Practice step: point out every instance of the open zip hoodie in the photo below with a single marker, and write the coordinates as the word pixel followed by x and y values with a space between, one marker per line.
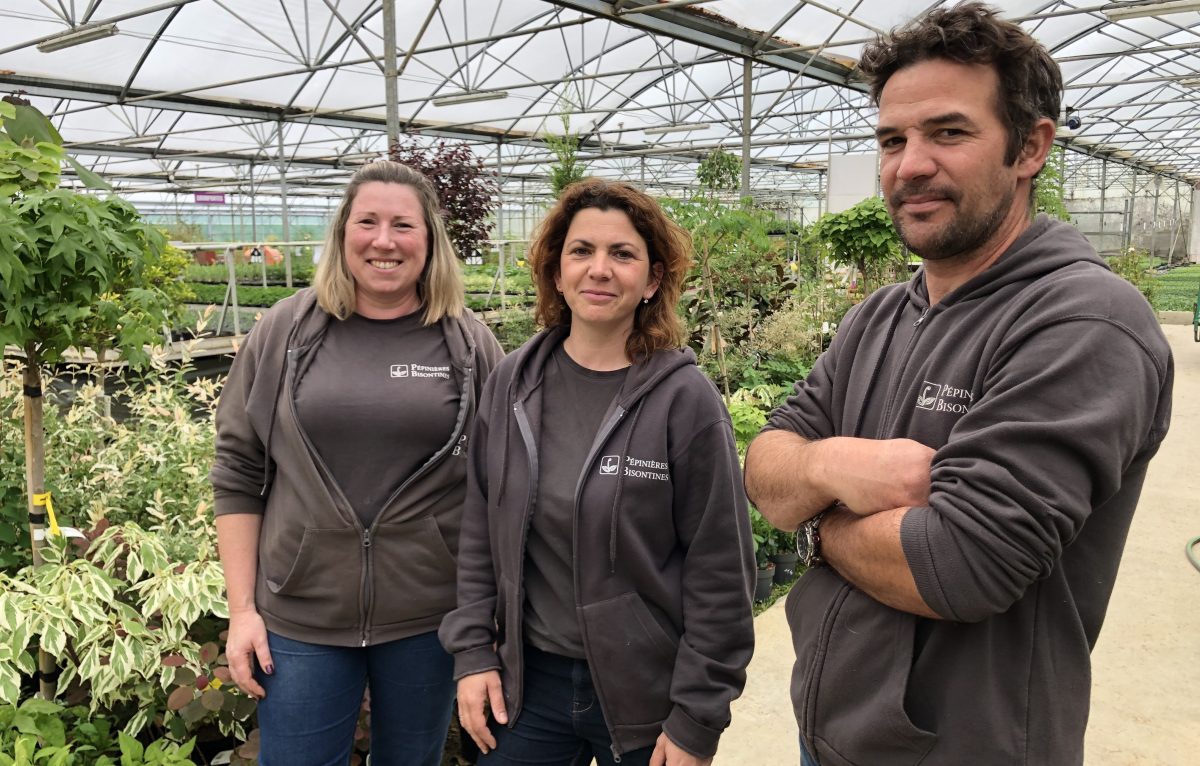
pixel 322 577
pixel 1044 385
pixel 662 549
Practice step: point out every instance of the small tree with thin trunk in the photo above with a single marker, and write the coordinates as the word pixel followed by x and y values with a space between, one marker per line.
pixel 863 236
pixel 72 269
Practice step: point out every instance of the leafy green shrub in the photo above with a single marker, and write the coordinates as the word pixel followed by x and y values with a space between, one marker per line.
pixel 740 275
pixel 110 616
pixel 251 273
pixel 43 732
pixel 566 168
pixel 1175 289
pixel 513 328
pixel 863 236
pixel 151 468
pixel 1134 266
pixel 246 294
pixel 720 171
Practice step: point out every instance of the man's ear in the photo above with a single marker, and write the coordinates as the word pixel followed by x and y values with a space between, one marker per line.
pixel 1037 147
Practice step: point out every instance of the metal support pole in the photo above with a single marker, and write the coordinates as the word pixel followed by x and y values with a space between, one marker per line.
pixel 1103 199
pixel 746 105
pixel 389 74
pixel 499 191
pixel 1154 219
pixel 283 209
pixel 232 272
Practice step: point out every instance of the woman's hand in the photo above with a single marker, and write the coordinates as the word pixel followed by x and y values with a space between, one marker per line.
pixel 667 753
pixel 476 694
pixel 248 639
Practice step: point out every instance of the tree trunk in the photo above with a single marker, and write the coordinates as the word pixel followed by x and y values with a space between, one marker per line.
pixel 35 483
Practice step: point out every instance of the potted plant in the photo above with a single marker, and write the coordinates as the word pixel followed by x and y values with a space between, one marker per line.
pixel 764 547
pixel 784 557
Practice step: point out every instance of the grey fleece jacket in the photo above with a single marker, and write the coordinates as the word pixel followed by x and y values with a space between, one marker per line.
pixel 662 549
pixel 322 577
pixel 1044 385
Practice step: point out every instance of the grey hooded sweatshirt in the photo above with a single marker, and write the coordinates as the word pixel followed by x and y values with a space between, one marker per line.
pixel 662 549
pixel 1044 385
pixel 322 577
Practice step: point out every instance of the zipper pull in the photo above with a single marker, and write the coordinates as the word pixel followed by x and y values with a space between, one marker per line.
pixel 921 318
pixel 366 538
pixel 615 752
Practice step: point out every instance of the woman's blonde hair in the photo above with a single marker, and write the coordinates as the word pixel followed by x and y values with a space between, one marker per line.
pixel 655 324
pixel 440 287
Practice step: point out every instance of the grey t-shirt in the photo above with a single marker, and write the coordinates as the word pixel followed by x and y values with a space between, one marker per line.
pixel 574 400
pixel 378 400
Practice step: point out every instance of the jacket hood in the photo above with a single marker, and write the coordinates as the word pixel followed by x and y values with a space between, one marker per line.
pixel 1046 246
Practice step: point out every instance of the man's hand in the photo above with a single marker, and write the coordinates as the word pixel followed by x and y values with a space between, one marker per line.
pixel 476 694
pixel 247 640
pixel 667 753
pixel 872 475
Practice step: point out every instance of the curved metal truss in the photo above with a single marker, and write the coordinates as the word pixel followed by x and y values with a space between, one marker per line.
pixel 226 95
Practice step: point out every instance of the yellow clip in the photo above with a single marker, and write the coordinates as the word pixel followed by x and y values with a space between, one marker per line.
pixel 44 499
pixel 215 683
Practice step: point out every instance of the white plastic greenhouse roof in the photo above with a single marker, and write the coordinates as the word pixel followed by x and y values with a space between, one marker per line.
pixel 208 94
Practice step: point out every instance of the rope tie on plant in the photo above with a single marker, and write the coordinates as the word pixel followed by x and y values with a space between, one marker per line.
pixel 33 392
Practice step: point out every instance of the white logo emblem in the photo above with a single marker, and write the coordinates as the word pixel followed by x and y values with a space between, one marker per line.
pixel 609 465
pixel 399 370
pixel 943 397
pixel 928 396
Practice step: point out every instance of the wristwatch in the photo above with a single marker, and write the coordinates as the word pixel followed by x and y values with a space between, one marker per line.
pixel 808 541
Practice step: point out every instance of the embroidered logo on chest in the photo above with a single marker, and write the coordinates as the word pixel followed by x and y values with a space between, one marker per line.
pixel 940 397
pixel 420 371
pixel 635 468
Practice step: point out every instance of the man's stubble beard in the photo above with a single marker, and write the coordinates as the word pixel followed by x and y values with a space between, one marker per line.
pixel 963 235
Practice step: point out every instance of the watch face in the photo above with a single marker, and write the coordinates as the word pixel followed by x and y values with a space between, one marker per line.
pixel 804 544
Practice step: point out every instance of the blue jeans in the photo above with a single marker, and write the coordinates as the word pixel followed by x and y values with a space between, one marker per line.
pixel 560 723
pixel 805 758
pixel 315 694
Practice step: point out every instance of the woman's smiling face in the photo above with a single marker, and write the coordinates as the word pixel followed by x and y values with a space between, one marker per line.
pixel 386 247
pixel 604 270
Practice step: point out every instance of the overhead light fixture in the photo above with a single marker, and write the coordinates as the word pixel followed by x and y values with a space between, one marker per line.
pixel 676 128
pixel 77 36
pixel 133 140
pixel 468 97
pixel 1191 82
pixel 1142 10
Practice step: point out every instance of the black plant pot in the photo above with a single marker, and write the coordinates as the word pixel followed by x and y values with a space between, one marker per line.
pixel 762 587
pixel 785 567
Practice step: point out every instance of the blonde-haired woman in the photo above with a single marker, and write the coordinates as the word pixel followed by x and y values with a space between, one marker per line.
pixel 339 480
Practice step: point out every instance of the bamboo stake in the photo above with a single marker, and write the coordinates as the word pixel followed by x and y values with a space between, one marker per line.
pixel 35 482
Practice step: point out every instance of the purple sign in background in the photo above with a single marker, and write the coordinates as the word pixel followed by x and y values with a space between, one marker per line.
pixel 208 198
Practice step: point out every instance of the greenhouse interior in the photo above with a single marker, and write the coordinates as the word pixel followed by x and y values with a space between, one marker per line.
pixel 225 134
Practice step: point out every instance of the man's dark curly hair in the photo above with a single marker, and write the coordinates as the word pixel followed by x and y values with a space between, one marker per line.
pixel 971 33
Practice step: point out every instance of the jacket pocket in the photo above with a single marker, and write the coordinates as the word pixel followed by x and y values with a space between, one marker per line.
pixel 413 572
pixel 634 659
pixel 321 586
pixel 860 672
